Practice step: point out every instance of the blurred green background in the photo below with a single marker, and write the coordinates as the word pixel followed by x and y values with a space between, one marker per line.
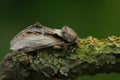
pixel 98 18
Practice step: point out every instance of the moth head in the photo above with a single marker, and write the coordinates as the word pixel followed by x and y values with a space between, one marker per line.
pixel 69 35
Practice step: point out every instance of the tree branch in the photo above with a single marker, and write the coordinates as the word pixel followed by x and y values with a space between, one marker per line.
pixel 88 57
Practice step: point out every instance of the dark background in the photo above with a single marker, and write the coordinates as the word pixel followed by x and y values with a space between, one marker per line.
pixel 97 18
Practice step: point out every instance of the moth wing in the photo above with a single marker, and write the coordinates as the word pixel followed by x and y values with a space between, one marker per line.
pixel 32 42
pixel 35 37
pixel 36 28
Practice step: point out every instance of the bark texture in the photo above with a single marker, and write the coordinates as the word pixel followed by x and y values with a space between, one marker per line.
pixel 88 57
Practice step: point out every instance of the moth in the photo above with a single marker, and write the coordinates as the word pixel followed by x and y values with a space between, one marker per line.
pixel 37 36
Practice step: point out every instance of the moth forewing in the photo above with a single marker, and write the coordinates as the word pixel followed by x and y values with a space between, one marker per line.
pixel 33 42
pixel 26 37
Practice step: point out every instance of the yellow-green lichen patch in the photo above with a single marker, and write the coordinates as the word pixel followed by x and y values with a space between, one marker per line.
pixel 103 51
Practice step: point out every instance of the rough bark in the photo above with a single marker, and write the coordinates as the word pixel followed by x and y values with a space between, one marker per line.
pixel 88 57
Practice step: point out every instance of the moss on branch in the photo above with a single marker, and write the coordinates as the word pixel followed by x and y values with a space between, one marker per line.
pixel 89 56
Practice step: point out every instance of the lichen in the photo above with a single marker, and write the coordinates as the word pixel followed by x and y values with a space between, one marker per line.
pixel 88 51
pixel 97 51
